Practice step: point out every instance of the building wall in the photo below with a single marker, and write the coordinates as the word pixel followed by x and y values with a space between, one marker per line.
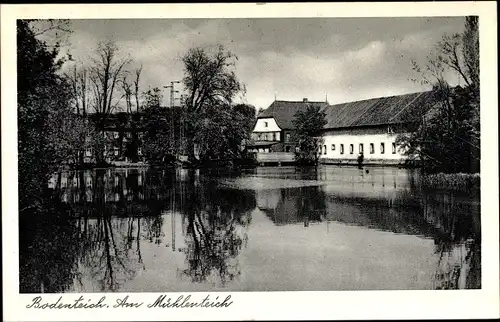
pixel 116 145
pixel 359 136
pixel 266 125
pixel 266 136
pixel 376 135
pixel 288 143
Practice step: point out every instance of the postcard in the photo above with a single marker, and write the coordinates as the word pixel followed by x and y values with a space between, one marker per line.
pixel 255 161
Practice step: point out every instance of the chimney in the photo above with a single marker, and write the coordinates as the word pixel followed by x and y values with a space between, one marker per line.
pixel 305 100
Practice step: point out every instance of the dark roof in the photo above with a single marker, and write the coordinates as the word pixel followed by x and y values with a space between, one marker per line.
pixel 284 111
pixel 376 111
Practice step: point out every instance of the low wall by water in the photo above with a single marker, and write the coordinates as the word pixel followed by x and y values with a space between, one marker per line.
pixel 275 157
pixel 382 162
pixel 278 158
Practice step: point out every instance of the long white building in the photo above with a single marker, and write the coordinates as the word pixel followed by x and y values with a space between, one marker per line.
pixel 369 127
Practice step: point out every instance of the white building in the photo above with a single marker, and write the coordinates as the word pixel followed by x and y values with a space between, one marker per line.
pixel 367 127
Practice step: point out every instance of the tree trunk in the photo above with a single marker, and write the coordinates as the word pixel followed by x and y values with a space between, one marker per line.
pixel 81 160
pixel 190 150
pixel 190 132
pixel 100 155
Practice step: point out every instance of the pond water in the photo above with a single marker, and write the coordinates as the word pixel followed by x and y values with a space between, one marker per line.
pixel 267 229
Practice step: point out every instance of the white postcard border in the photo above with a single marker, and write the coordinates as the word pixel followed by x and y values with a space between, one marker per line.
pixel 460 304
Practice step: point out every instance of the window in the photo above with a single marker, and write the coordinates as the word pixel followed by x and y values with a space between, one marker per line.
pixel 88 152
pixel 288 137
pixel 390 130
pixel 116 134
pixel 361 148
pixel 393 148
pixel 259 136
pixel 382 148
pixel 139 151
pixel 372 148
pixel 341 149
pixel 265 124
pixel 115 150
pixel 333 147
pixel 351 148
pixel 274 136
pixel 324 148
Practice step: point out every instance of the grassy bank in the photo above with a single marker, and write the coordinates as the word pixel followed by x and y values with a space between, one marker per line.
pixel 452 181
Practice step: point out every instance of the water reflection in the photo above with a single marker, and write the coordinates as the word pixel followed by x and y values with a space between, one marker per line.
pixel 286 206
pixel 114 228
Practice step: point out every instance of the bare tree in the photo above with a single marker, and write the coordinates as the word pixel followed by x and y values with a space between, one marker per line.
pixel 127 91
pixel 447 136
pixel 83 78
pixel 78 80
pixel 107 69
pixel 458 53
pixel 470 40
pixel 136 88
pixel 131 89
pixel 106 72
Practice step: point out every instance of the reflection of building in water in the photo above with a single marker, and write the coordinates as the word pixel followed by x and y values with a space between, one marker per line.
pixel 268 199
pixel 292 205
pixel 121 191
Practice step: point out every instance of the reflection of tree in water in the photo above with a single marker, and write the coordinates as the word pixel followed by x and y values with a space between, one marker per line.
pixel 213 217
pixel 454 221
pixel 459 249
pixel 311 205
pixel 458 246
pixel 111 246
pixel 47 252
pixel 293 205
pixel 94 235
pixel 459 265
pixel 77 239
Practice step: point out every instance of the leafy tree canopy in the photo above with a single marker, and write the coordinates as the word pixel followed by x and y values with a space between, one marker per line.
pixel 308 125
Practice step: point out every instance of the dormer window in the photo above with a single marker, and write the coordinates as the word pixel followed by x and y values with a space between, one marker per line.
pixel 265 124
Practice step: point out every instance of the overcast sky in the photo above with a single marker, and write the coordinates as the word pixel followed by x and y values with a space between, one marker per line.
pixel 345 58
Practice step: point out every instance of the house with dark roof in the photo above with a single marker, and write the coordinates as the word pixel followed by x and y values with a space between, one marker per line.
pixel 123 137
pixel 368 127
pixel 273 131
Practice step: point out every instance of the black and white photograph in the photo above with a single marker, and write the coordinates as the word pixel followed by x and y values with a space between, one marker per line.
pixel 249 154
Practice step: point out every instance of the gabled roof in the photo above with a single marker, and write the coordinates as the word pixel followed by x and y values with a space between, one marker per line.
pixel 378 111
pixel 370 112
pixel 284 111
